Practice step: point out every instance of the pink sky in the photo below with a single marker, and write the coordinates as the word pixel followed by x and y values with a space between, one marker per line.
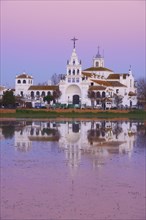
pixel 35 36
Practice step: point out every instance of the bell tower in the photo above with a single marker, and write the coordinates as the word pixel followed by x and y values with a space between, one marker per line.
pixel 98 60
pixel 74 66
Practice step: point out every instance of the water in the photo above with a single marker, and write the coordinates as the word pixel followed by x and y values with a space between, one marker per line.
pixel 89 170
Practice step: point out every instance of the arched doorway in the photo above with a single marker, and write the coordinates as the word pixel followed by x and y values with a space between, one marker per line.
pixel 76 99
pixel 73 94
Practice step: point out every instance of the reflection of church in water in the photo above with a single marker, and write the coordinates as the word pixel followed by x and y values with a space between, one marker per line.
pixel 95 140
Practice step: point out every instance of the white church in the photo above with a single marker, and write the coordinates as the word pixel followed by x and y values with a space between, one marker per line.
pixel 96 86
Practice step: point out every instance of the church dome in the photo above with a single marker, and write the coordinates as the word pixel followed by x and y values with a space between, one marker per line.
pixel 100 68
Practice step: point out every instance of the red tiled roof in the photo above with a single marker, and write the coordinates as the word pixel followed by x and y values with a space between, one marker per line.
pixel 97 88
pixel 114 76
pixel 24 76
pixel 98 69
pixel 132 93
pixel 109 83
pixel 88 74
pixel 117 75
pixel 116 84
pixel 101 82
pixel 43 87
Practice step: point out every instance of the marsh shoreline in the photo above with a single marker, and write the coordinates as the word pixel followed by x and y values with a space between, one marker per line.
pixel 61 114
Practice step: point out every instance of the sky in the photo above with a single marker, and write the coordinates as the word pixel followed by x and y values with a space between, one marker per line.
pixel 36 36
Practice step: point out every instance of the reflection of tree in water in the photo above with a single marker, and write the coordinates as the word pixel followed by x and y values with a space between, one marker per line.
pixel 95 135
pixel 97 132
pixel 8 131
pixel 117 129
pixel 141 135
pixel 141 128
pixel 9 127
pixel 50 131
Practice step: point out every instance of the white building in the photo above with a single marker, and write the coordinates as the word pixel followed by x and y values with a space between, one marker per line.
pixel 22 84
pixel 96 86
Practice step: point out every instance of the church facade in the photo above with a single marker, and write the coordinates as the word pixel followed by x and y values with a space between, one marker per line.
pixel 96 86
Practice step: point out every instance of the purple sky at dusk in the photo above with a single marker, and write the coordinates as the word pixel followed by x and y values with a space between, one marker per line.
pixel 35 36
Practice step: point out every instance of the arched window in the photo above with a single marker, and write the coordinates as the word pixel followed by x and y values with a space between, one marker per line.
pixel 73 72
pixel 103 94
pixel 32 131
pixel 78 71
pixel 97 64
pixel 32 94
pixel 98 94
pixel 37 93
pixel 24 81
pixel 43 93
pixel 49 93
pixel 73 62
pixel 103 133
pixel 37 132
pixel 19 81
pixel 69 71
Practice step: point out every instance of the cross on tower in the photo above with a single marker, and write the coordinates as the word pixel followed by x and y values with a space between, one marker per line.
pixel 74 40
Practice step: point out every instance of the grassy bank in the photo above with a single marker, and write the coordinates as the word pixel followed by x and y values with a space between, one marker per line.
pixel 70 113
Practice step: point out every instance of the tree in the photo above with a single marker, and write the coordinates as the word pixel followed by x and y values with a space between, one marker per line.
pixel 55 79
pixel 48 98
pixel 141 91
pixel 118 100
pixel 19 100
pixel 8 131
pixel 8 99
pixel 56 95
pixel 91 95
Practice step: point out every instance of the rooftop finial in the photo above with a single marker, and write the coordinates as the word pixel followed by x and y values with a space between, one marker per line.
pixel 98 53
pixel 130 68
pixel 74 40
pixel 98 49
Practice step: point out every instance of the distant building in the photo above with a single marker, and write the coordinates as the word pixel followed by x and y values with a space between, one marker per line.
pixel 96 86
